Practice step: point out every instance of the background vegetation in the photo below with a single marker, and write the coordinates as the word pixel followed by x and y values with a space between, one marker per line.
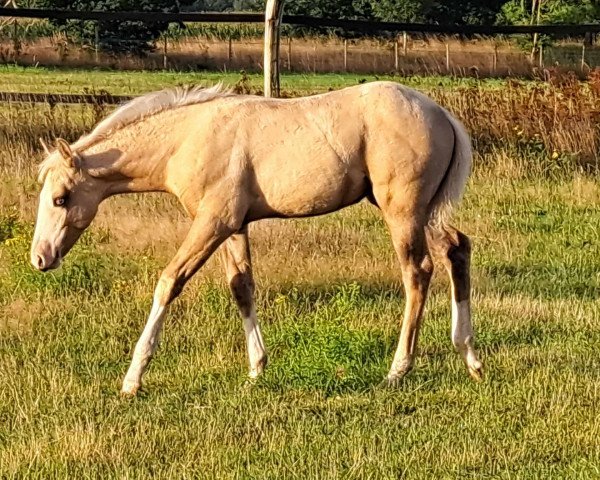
pixel 136 37
pixel 118 37
pixel 330 301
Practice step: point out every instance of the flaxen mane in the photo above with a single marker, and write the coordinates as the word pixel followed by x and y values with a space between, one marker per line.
pixel 134 111
pixel 148 105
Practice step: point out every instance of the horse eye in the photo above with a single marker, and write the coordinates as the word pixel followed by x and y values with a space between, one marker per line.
pixel 60 201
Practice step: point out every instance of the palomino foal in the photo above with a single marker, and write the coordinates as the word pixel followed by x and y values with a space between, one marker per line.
pixel 233 159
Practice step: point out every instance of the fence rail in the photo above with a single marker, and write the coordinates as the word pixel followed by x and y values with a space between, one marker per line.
pixel 54 98
pixel 361 26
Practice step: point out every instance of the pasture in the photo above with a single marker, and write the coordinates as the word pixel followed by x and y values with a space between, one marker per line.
pixel 329 298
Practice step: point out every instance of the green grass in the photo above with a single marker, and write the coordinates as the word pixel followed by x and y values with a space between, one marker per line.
pixel 318 412
pixel 329 300
pixel 51 80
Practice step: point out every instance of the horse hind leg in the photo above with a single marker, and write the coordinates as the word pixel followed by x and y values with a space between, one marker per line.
pixel 238 267
pixel 453 249
pixel 408 236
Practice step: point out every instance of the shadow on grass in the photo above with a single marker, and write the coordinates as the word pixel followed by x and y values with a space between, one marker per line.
pixel 330 355
pixel 342 287
pixel 331 359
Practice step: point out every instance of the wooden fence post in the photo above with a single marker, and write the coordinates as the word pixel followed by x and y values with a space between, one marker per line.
pixel 447 57
pixel 583 56
pixel 15 33
pixel 273 13
pixel 404 43
pixel 345 54
pixel 289 54
pixel 396 60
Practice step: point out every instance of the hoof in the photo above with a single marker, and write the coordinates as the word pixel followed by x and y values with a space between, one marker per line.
pixel 476 371
pixel 249 384
pixel 130 389
pixel 253 375
pixel 255 372
pixel 469 357
pixel 393 380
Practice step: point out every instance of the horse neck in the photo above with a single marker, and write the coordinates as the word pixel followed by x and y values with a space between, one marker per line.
pixel 131 160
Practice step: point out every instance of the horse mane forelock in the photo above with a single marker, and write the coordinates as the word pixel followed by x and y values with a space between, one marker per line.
pixel 60 167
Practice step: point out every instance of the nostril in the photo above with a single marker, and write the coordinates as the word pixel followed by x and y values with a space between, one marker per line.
pixel 40 262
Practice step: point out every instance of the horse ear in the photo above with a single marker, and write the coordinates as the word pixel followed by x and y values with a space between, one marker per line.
pixel 45 146
pixel 69 155
pixel 64 149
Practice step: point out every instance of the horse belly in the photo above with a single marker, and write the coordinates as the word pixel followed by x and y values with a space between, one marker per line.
pixel 313 190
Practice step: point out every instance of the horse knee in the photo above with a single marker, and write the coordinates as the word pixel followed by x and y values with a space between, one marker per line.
pixel 416 275
pixel 168 289
pixel 427 265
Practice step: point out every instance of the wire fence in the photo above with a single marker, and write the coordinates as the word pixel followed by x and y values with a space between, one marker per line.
pixel 362 26
pixel 363 47
pixel 404 55
pixel 55 98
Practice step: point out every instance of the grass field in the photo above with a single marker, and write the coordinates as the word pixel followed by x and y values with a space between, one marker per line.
pixel 51 80
pixel 330 300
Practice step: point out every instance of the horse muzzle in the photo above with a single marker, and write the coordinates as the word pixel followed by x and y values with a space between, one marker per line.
pixel 44 258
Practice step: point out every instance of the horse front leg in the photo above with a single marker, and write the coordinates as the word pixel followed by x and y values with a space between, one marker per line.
pixel 238 267
pixel 205 235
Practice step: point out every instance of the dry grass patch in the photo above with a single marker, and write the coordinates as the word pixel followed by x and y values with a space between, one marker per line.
pixel 19 315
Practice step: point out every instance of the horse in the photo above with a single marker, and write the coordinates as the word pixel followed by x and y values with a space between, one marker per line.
pixel 234 159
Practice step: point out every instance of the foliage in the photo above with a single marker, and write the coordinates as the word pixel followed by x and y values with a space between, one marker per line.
pixel 525 12
pixel 519 12
pixel 465 11
pixel 346 9
pixel 136 37
pixel 113 36
pixel 442 11
pixel 401 10
pixel 223 5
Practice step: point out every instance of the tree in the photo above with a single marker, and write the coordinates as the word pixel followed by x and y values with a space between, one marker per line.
pixel 537 12
pixel 520 12
pixel 401 10
pixel 460 12
pixel 344 9
pixel 113 36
